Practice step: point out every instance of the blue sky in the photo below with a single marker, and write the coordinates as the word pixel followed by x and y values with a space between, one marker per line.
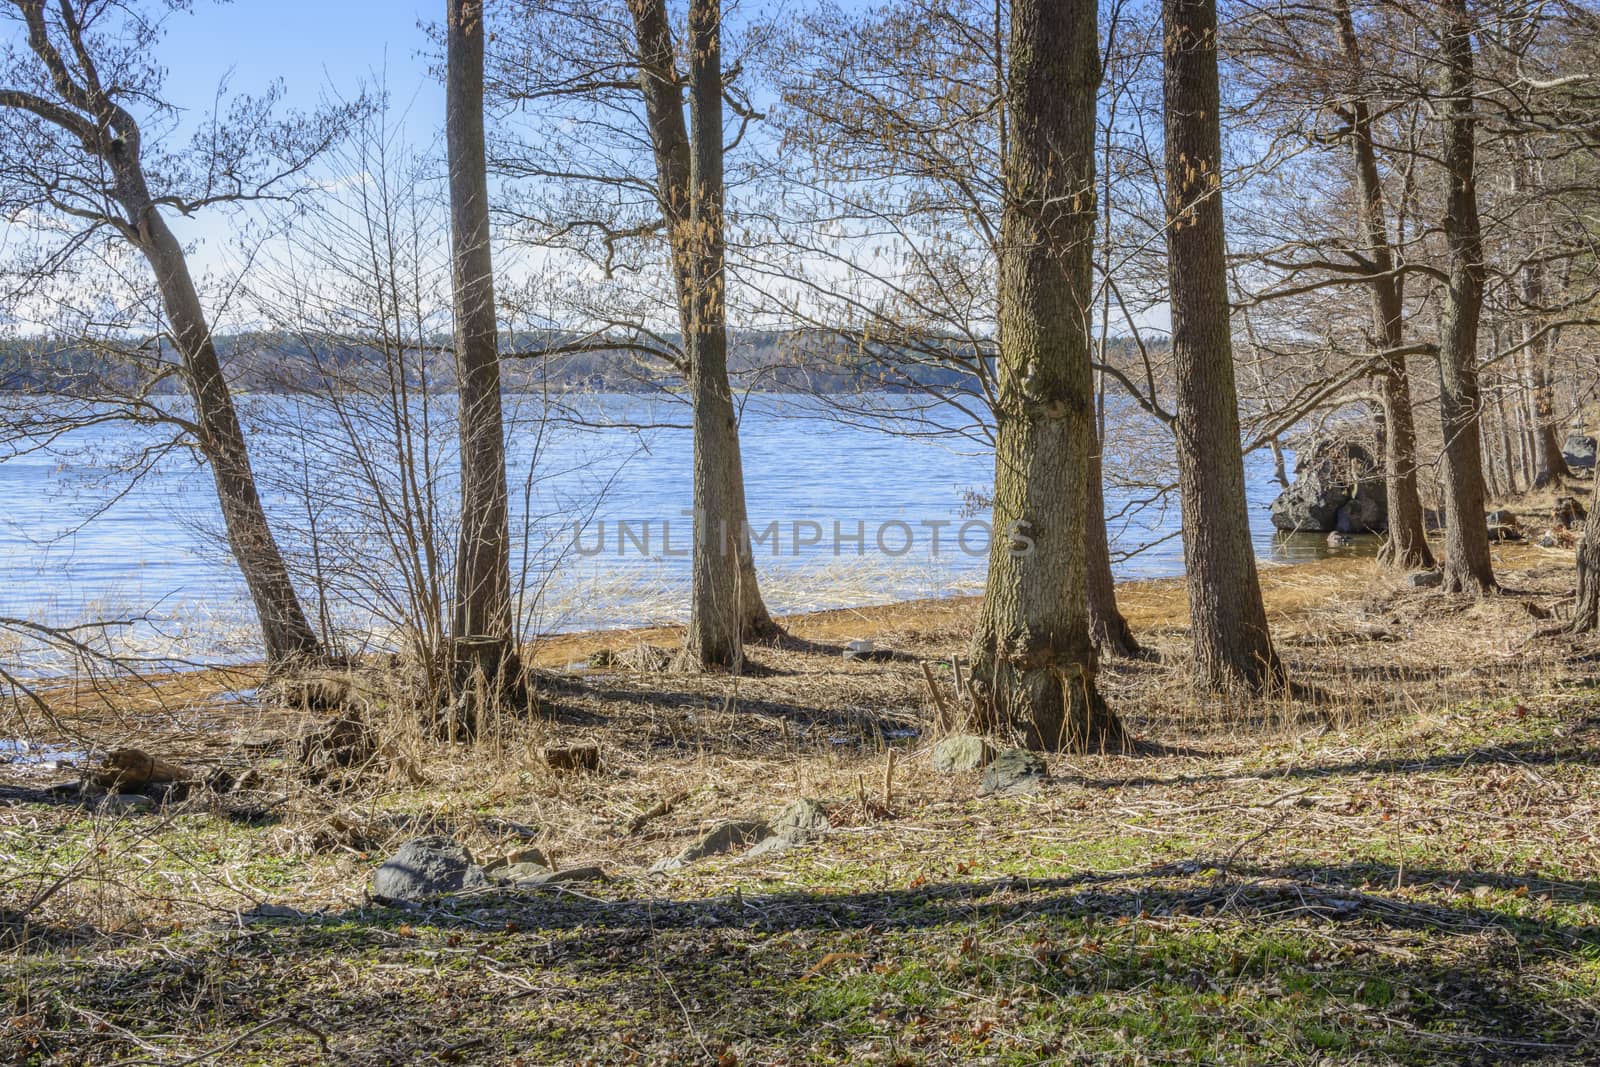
pixel 311 44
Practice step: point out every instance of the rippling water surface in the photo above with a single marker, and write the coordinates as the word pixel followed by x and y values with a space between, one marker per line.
pixel 856 510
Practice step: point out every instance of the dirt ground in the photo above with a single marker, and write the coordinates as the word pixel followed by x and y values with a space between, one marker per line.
pixel 1398 863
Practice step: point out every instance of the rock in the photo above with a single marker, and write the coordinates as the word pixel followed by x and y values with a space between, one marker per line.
pixel 961 752
pixel 769 845
pixel 1340 540
pixel 571 757
pixel 332 745
pixel 126 803
pixel 265 912
pixel 1330 478
pixel 800 822
pixel 1014 771
pixel 571 874
pixel 1568 512
pixel 1363 513
pixel 523 855
pixel 1579 450
pixel 1425 579
pixel 1549 540
pixel 519 872
pixel 1503 526
pixel 427 867
pixel 724 837
pixel 131 768
pixel 1311 504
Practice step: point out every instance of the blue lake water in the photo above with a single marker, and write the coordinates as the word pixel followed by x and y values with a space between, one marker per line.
pixel 855 512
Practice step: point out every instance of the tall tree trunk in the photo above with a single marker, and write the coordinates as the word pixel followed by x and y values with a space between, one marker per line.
pixel 1033 659
pixel 1228 620
pixel 1407 543
pixel 1586 617
pixel 691 191
pixel 1549 463
pixel 1110 631
pixel 285 630
pixel 1467 565
pixel 482 638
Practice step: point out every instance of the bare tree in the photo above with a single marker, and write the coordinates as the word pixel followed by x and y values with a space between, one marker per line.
pixel 1467 566
pixel 1407 545
pixel 632 172
pixel 74 150
pixel 483 637
pixel 1033 658
pixel 1228 621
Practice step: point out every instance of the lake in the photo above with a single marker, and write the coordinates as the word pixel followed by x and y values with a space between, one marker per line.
pixel 850 515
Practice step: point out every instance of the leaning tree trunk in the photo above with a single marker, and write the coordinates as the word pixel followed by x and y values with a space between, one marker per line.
pixel 1033 659
pixel 1111 633
pixel 722 537
pixel 482 630
pixel 1407 544
pixel 1228 620
pixel 1467 565
pixel 285 630
pixel 1586 618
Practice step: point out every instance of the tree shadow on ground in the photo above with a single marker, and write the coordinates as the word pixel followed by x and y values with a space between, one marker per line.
pixel 1543 753
pixel 1291 962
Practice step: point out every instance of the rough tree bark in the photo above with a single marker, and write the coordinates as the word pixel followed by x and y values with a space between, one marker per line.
pixel 1228 621
pixel 1033 659
pixel 1407 544
pixel 482 626
pixel 726 607
pixel 90 115
pixel 1467 565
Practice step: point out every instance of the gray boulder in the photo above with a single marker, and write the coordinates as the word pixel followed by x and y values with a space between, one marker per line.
pixel 522 856
pixel 427 867
pixel 524 875
pixel 1310 505
pixel 1579 450
pixel 1337 487
pixel 726 836
pixel 1503 526
pixel 1014 771
pixel 1425 579
pixel 961 752
pixel 1366 512
pixel 801 821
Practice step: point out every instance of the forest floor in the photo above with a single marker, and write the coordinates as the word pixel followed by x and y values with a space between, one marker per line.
pixel 1400 864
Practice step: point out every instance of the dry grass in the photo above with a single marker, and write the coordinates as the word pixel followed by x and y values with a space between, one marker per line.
pixel 1439 747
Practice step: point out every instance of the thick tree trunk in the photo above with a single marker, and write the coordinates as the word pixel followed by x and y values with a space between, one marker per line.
pixel 1228 620
pixel 1033 659
pixel 482 637
pixel 1407 544
pixel 285 631
pixel 1110 631
pixel 690 188
pixel 1586 617
pixel 1467 565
